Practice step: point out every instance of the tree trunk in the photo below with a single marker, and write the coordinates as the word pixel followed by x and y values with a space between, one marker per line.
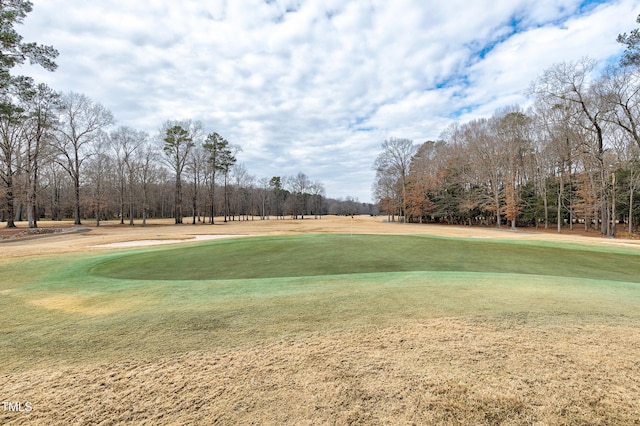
pixel 613 206
pixel 546 211
pixel 226 201
pixel 121 200
pixel 178 201
pixel 76 183
pixel 33 196
pixel 631 210
pixel 194 207
pixel 559 213
pixel 130 197
pixel 10 201
pixel 497 201
pixel 213 197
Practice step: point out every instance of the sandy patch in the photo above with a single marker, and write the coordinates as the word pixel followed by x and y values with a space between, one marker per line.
pixel 142 243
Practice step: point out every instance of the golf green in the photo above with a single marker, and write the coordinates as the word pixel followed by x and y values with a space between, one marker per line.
pixel 331 254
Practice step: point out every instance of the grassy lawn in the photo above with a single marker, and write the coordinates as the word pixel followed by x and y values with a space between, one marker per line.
pixel 158 301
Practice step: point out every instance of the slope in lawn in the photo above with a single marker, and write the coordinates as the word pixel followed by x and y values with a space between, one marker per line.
pixel 313 255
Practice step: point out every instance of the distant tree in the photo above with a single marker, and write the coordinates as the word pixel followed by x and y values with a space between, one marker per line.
pixel 54 181
pixel 12 121
pixel 81 123
pixel 263 195
pixel 221 157
pixel 196 166
pixel 514 128
pixel 177 145
pixel 317 198
pixel 394 163
pixel 147 157
pixel 570 86
pixel 243 182
pixel 618 87
pixel 487 158
pixel 98 171
pixel 545 164
pixel 124 143
pixel 41 105
pixel 423 175
pixel 631 179
pixel 278 194
pixel 385 191
pixel 299 184
pixel 226 165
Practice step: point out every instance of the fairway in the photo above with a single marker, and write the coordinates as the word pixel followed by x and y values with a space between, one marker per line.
pixel 323 327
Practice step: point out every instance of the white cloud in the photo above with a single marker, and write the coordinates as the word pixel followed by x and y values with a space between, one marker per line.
pixel 310 85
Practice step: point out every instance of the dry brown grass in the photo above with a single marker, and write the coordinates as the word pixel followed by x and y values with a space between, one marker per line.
pixel 444 371
pixel 517 369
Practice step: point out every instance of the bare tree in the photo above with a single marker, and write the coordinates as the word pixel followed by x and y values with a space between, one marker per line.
pixel 385 191
pixel 394 163
pixel 124 143
pixel 196 166
pixel 81 122
pixel 263 193
pixel 570 85
pixel 317 198
pixel 619 88
pixel 487 157
pixel 513 132
pixel 147 159
pixel 243 182
pixel 55 183
pixel 42 105
pixel 299 184
pixel 12 122
pixel 99 169
pixel 421 181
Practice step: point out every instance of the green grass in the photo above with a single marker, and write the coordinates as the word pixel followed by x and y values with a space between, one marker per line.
pixel 314 255
pixel 157 301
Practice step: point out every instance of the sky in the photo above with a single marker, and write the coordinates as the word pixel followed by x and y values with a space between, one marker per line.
pixel 316 86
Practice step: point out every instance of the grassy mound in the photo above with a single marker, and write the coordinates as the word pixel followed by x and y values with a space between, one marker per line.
pixel 159 301
pixel 317 255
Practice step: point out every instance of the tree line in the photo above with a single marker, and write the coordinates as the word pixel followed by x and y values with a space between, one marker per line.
pixel 571 159
pixel 61 157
